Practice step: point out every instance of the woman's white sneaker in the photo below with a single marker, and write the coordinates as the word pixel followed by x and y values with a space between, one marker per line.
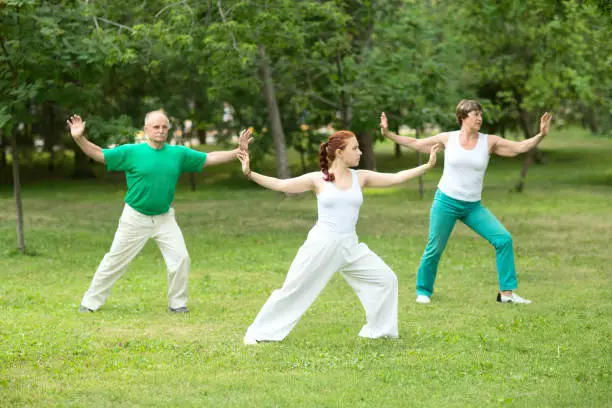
pixel 249 341
pixel 422 299
pixel 512 299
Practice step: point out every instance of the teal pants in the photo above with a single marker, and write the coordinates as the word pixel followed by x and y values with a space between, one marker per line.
pixel 445 211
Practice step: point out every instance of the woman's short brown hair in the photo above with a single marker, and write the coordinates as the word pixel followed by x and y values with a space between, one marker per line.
pixel 465 107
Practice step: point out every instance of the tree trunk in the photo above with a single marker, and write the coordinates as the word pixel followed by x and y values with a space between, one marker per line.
pixel 17 190
pixel 200 133
pixel 398 150
pixel 278 136
pixel 589 119
pixel 3 160
pixel 50 135
pixel 303 161
pixel 520 185
pixel 51 164
pixel 365 139
pixel 15 154
pixel 192 180
pixel 421 186
pixel 366 144
pixel 345 110
pixel 82 165
pixel 192 177
pixel 534 156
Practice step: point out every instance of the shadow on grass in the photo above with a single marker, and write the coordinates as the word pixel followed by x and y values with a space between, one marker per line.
pixel 13 253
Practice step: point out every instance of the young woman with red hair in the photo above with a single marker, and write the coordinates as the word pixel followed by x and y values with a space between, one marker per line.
pixel 332 244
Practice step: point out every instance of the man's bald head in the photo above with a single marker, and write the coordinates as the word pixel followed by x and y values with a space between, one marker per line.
pixel 154 115
pixel 156 128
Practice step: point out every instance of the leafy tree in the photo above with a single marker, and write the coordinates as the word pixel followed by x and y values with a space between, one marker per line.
pixel 408 73
pixel 536 56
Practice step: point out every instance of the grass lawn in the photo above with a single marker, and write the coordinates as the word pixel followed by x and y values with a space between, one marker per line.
pixel 462 350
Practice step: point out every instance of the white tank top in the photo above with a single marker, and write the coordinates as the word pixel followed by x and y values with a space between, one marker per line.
pixel 339 209
pixel 464 170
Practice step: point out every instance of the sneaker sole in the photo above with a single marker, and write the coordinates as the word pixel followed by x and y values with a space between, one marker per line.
pixel 499 299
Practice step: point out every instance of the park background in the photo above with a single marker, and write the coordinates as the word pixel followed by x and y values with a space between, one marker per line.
pixel 293 71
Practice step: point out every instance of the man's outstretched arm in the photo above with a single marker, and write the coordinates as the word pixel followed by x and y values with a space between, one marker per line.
pixel 77 129
pixel 214 158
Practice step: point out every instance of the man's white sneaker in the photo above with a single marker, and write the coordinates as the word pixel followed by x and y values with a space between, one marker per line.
pixel 422 299
pixel 512 299
pixel 249 341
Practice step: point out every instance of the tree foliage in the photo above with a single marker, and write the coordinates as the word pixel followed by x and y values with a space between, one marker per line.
pixel 337 62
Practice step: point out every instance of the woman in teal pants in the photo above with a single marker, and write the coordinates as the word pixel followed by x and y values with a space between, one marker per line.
pixel 466 156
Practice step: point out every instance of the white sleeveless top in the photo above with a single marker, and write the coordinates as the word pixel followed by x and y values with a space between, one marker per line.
pixel 464 170
pixel 339 209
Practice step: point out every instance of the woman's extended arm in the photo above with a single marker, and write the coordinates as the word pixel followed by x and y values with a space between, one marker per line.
pixel 509 148
pixel 421 145
pixel 375 179
pixel 294 185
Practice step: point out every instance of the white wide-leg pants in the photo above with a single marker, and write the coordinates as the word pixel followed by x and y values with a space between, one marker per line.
pixel 133 232
pixel 322 255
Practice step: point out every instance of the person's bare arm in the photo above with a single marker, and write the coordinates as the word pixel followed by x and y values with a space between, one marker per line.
pixel 510 148
pixel 214 158
pixel 296 185
pixel 375 179
pixel 220 157
pixel 77 129
pixel 422 145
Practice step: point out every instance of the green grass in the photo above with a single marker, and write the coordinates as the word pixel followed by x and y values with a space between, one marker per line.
pixel 462 350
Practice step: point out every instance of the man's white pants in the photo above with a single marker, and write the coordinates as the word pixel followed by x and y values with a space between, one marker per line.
pixel 320 257
pixel 133 232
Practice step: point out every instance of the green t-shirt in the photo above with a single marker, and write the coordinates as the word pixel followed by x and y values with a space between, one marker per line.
pixel 152 174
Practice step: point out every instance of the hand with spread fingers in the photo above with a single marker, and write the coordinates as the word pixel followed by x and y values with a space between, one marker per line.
pixel 245 160
pixel 384 124
pixel 77 126
pixel 432 155
pixel 245 140
pixel 545 123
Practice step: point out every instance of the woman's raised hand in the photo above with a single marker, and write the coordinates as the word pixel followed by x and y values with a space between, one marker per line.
pixel 545 123
pixel 384 124
pixel 243 156
pixel 432 154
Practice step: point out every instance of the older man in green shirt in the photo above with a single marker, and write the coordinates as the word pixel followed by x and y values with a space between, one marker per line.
pixel 152 170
